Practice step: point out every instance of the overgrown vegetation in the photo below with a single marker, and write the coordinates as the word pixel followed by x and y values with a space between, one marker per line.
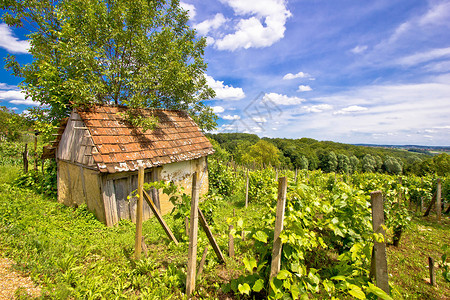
pixel 326 241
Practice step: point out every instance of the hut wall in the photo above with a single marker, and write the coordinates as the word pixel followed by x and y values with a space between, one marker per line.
pixel 76 143
pixel 118 197
pixel 181 174
pixel 78 185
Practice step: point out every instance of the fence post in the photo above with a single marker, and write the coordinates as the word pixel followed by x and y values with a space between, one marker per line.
pixel 231 242
pixel 202 262
pixel 438 200
pixel 25 159
pixel 193 232
pixel 186 223
pixel 281 204
pixel 432 273
pixel 246 191
pixel 140 200
pixel 379 262
pixel 35 151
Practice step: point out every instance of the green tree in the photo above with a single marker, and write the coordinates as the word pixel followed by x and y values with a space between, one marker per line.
pixel 354 164
pixel 261 153
pixel 343 163
pixel 368 163
pixel 392 166
pixel 12 124
pixel 442 164
pixel 328 161
pixel 139 53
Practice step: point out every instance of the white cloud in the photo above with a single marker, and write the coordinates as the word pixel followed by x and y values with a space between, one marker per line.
pixel 359 49
pixel 290 76
pixel 204 27
pixel 25 102
pixel 12 95
pixel 9 42
pixel 218 109
pixel 259 119
pixel 231 117
pixel 350 109
pixel 304 88
pixel 189 8
pixel 265 26
pixel 425 56
pixel 438 14
pixel 282 99
pixel 224 92
pixel 317 108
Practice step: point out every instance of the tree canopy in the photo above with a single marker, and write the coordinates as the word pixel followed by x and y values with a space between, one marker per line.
pixel 140 53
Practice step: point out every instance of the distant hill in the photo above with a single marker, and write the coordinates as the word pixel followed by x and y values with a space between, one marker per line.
pixel 411 148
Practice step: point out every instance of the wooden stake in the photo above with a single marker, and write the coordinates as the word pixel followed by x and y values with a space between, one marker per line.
pixel 430 206
pixel 277 246
pixel 379 249
pixel 438 200
pixel 193 232
pixel 25 159
pixel 210 237
pixel 246 191
pixel 231 243
pixel 432 273
pixel 35 152
pixel 138 244
pixel 160 218
pixel 186 222
pixel 202 263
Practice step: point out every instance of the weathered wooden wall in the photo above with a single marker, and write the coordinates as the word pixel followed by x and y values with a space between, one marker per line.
pixel 78 185
pixel 76 145
pixel 118 196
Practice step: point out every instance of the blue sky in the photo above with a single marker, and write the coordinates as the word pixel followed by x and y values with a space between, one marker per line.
pixel 348 71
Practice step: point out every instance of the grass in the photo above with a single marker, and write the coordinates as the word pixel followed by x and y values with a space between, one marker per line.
pixel 408 263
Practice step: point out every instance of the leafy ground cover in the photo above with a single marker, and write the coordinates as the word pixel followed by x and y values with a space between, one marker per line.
pixel 71 255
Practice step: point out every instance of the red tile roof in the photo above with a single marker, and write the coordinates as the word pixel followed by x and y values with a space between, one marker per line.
pixel 123 147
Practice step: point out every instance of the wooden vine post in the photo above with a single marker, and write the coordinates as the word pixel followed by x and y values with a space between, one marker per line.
pixel 140 203
pixel 25 159
pixel 438 200
pixel 193 232
pixel 432 271
pixel 379 262
pixel 246 191
pixel 277 246
pixel 35 151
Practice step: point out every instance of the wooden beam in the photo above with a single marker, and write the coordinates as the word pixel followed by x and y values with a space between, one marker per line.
pixel 438 200
pixel 192 254
pixel 210 236
pixel 277 246
pixel 246 191
pixel 379 249
pixel 160 218
pixel 140 203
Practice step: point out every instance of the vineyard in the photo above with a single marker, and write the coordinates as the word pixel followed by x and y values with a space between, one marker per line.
pixel 327 239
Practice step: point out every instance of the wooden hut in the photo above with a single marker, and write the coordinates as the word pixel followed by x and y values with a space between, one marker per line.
pixel 98 154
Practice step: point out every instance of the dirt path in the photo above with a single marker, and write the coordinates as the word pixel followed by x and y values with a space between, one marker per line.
pixel 11 280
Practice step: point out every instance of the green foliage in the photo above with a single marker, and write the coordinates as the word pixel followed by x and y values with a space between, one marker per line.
pixel 221 181
pixel 262 153
pixel 140 54
pixel 42 183
pixel 12 125
pixel 310 154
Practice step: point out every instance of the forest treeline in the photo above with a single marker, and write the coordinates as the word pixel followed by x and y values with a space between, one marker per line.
pixel 306 153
